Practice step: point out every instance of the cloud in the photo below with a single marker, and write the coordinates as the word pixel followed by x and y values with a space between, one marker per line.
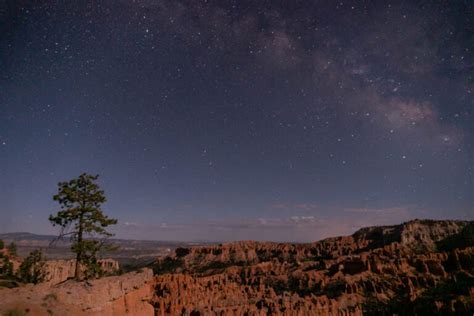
pixel 385 211
pixel 295 207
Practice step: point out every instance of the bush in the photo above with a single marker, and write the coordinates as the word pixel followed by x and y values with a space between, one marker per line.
pixel 12 250
pixel 6 267
pixel 167 265
pixel 181 252
pixel 14 312
pixel 2 244
pixel 9 284
pixel 50 297
pixel 217 251
pixel 32 269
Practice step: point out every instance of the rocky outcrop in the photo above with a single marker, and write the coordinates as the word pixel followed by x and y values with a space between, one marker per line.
pixel 418 235
pixel 58 271
pixel 378 270
pixel 416 268
pixel 128 294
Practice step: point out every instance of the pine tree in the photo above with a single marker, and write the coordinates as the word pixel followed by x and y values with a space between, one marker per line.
pixel 82 220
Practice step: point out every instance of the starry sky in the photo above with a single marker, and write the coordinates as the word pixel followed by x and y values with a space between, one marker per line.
pixel 228 120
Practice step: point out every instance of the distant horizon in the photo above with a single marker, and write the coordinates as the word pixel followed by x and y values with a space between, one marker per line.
pixel 118 237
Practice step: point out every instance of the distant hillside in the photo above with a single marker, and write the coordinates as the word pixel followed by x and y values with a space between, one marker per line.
pixel 130 252
pixel 28 237
pixel 25 236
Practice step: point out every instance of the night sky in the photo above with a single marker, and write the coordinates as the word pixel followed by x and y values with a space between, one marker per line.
pixel 229 120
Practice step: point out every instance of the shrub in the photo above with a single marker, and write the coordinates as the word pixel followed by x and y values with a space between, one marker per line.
pixel 12 250
pixel 6 267
pixel 167 265
pixel 9 284
pixel 181 252
pixel 32 269
pixel 217 251
pixel 14 312
pixel 50 297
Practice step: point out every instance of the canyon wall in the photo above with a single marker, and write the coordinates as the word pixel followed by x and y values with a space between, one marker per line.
pixel 58 271
pixel 416 268
pixel 420 267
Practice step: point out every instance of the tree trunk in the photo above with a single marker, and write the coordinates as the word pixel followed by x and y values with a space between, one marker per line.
pixel 77 273
pixel 78 270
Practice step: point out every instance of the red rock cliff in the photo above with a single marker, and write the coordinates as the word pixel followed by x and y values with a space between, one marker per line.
pixel 128 294
pixel 391 270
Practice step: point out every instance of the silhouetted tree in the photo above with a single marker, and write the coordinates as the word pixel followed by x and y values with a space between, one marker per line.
pixel 82 220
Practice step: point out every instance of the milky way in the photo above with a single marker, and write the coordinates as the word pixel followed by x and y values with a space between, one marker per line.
pixel 222 120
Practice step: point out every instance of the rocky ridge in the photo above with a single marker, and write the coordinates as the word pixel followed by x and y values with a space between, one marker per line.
pixel 127 294
pixel 415 268
pixel 57 271
pixel 378 270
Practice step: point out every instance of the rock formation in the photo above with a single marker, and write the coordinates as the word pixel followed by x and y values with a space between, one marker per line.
pixel 419 267
pixel 127 294
pixel 58 271
pixel 416 268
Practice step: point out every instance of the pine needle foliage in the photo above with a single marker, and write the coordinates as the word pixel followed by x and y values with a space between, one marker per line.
pixel 82 220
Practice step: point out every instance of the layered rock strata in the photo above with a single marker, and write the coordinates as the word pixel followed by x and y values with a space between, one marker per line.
pixel 58 271
pixel 420 267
